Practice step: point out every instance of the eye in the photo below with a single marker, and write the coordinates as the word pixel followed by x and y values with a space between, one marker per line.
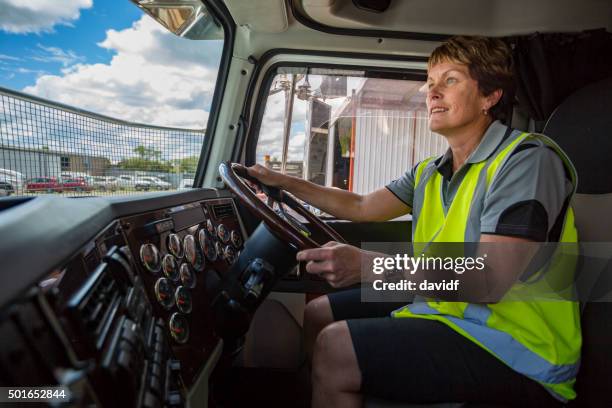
pixel 451 80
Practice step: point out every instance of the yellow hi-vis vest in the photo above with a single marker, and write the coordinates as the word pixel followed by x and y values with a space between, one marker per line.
pixel 540 339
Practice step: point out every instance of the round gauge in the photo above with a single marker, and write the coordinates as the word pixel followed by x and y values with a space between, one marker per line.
pixel 229 254
pixel 222 233
pixel 174 245
pixel 219 249
pixel 183 299
pixel 236 239
pixel 210 227
pixel 150 258
pixel 164 292
pixel 169 267
pixel 191 252
pixel 188 278
pixel 179 328
pixel 206 243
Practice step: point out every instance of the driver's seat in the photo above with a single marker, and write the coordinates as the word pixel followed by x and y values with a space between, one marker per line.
pixel 582 126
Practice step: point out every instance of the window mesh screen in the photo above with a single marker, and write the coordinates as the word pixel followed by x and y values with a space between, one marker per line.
pixel 52 148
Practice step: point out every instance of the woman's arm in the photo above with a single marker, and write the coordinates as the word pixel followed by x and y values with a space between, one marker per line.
pixel 505 259
pixel 379 205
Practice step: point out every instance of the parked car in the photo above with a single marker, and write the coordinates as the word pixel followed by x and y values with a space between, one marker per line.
pixel 185 184
pixel 157 183
pixel 125 182
pixel 76 184
pixel 44 184
pixel 105 183
pixel 6 189
pixel 11 182
pixel 142 184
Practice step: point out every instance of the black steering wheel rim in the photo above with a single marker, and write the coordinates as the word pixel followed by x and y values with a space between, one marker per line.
pixel 234 176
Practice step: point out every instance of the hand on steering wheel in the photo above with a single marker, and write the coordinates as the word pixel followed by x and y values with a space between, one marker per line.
pixel 281 223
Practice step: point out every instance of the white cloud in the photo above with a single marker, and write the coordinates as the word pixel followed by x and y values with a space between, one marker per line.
pixel 9 58
pixel 55 54
pixel 22 70
pixel 153 77
pixel 36 16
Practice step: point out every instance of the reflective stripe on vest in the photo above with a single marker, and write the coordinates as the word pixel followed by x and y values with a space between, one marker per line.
pixel 540 339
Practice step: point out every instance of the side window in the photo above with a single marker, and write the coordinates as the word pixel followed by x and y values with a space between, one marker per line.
pixel 105 89
pixel 347 131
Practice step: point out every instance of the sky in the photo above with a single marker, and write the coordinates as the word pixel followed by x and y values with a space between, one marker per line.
pixel 106 56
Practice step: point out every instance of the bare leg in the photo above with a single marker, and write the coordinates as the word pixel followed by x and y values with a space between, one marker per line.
pixel 336 378
pixel 317 315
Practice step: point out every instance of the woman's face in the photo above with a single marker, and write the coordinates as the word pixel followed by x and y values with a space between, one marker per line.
pixel 453 98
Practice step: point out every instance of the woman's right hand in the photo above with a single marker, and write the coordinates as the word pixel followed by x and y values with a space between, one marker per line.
pixel 266 176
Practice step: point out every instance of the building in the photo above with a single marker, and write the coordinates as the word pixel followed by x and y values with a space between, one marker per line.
pixel 48 163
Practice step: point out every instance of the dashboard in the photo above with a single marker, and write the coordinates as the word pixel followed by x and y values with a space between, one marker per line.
pixel 110 297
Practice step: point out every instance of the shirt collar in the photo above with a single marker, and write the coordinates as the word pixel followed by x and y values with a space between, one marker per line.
pixel 490 141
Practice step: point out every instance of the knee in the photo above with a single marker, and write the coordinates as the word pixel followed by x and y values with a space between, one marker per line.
pixel 329 347
pixel 334 360
pixel 317 313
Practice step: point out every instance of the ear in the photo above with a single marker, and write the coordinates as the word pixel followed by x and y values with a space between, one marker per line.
pixel 493 98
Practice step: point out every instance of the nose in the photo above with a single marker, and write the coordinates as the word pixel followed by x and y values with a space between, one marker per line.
pixel 433 93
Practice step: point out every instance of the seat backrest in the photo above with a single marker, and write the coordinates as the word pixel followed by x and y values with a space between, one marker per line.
pixel 582 126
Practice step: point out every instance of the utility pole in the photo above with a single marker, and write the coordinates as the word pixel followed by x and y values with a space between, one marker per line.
pixel 288 116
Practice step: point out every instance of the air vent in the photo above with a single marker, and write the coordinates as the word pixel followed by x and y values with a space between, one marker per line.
pixel 96 303
pixel 223 210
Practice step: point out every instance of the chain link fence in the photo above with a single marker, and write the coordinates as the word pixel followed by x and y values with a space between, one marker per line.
pixel 46 147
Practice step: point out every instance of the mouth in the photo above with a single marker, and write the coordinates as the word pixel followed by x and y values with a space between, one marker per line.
pixel 437 110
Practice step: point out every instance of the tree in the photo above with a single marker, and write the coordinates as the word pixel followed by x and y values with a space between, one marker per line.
pixel 149 159
pixel 187 164
pixel 148 153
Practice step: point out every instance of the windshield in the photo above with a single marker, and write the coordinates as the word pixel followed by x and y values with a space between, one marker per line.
pixel 101 96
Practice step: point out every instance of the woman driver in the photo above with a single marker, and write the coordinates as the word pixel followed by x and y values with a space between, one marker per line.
pixel 501 186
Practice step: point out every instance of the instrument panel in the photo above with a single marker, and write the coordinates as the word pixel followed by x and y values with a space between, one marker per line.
pixel 182 251
pixel 124 320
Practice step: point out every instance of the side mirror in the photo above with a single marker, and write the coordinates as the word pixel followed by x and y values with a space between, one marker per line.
pixel 185 18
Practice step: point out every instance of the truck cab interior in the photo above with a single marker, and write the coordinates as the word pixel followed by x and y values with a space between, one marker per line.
pixel 193 297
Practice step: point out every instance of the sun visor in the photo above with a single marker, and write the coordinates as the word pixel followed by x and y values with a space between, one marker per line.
pixel 437 19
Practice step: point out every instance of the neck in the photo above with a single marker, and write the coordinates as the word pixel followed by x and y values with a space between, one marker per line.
pixel 464 140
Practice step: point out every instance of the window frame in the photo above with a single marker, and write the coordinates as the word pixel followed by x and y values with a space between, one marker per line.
pixel 65 163
pixel 260 101
pixel 220 12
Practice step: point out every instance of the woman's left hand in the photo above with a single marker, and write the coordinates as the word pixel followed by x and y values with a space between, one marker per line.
pixel 339 264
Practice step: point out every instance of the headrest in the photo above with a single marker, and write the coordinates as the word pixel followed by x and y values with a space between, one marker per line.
pixel 582 126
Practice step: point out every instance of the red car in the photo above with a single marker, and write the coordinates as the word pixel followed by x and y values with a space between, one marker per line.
pixel 44 184
pixel 76 184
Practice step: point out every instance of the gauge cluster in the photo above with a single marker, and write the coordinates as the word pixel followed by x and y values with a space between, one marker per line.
pixel 181 249
pixel 94 330
pixel 118 312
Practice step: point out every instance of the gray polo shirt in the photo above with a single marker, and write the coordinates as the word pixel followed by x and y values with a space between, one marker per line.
pixel 528 197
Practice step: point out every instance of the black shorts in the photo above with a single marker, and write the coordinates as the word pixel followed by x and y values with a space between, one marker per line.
pixel 423 361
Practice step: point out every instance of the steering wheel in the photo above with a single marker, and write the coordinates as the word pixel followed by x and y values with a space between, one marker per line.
pixel 272 212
